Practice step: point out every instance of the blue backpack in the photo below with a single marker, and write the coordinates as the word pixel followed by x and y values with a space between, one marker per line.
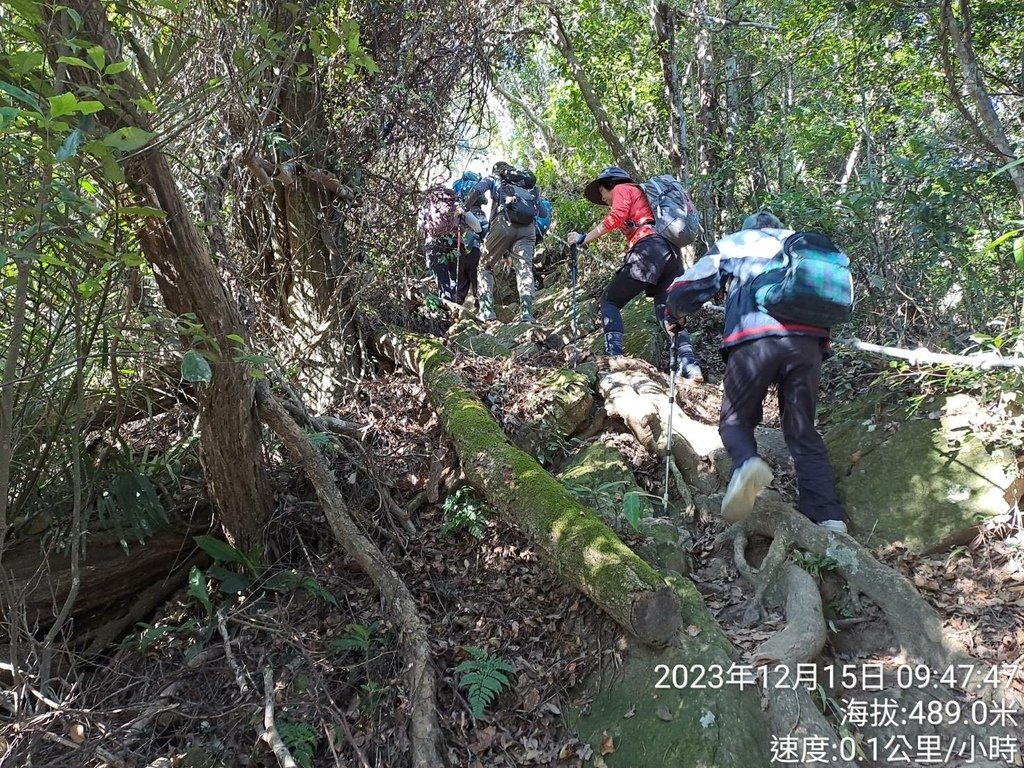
pixel 543 218
pixel 808 281
pixel 464 185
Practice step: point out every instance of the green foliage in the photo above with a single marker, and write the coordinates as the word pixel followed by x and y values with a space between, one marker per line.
pixel 358 637
pixel 635 506
pixel 290 580
pixel 483 678
pixel 322 440
pixel 194 368
pixel 222 552
pixel 812 563
pixel 197 589
pixel 130 505
pixel 300 738
pixel 373 695
pixel 464 512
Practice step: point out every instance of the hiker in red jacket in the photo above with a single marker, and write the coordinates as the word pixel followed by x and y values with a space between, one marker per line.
pixel 649 265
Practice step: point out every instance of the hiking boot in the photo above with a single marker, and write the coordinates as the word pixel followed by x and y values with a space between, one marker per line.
pixel 686 361
pixel 486 302
pixel 748 480
pixel 692 372
pixel 613 343
pixel 526 304
pixel 836 526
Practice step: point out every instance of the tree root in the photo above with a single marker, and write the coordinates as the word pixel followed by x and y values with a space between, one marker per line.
pixel 914 622
pixel 425 734
pixel 641 401
pixel 791 710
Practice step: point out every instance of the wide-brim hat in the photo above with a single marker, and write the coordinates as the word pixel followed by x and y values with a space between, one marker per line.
pixel 613 174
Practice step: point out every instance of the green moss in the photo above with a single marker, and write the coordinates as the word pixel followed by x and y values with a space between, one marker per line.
pixel 577 540
pixel 917 483
pixel 599 478
pixel 713 727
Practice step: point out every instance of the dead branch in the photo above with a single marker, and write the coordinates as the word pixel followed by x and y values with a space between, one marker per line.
pixel 270 734
pixel 425 733
pixel 922 356
pixel 222 627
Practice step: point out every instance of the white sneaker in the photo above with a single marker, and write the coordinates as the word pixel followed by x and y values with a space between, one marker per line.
pixel 748 480
pixel 836 526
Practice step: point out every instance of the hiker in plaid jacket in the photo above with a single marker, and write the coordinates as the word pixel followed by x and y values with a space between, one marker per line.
pixel 761 351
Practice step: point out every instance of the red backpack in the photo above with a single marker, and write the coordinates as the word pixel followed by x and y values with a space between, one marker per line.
pixel 439 213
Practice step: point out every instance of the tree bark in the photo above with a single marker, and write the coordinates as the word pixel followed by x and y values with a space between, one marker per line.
pixel 663 28
pixel 604 125
pixel 990 125
pixel 708 140
pixel 232 449
pixel 584 551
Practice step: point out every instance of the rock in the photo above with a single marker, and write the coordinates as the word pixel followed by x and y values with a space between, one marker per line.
pixel 600 479
pixel 563 406
pixel 918 480
pixel 670 545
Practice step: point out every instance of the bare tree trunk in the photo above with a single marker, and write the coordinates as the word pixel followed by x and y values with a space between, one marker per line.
pixel 232 448
pixel 707 142
pixel 9 392
pixel 987 123
pixel 546 134
pixel 663 28
pixel 604 126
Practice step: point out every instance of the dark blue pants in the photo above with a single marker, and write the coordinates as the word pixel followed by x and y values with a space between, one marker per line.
pixel 793 364
pixel 465 280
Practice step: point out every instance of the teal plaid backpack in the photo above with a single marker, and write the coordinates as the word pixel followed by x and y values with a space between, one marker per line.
pixel 808 281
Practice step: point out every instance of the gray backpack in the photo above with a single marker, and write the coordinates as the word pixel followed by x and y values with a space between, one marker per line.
pixel 675 216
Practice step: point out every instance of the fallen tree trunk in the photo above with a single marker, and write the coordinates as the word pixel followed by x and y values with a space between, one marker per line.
pixel 637 395
pixel 40 581
pixel 585 551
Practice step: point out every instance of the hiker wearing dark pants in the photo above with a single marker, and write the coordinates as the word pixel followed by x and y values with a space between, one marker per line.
pixel 761 351
pixel 793 365
pixel 466 273
pixel 441 221
pixel 649 265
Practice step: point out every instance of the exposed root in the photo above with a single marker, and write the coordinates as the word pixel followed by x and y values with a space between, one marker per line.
pixel 914 622
pixel 790 708
pixel 642 402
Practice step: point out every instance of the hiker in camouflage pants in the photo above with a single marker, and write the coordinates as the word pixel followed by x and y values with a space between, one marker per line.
pixel 504 238
pixel 518 242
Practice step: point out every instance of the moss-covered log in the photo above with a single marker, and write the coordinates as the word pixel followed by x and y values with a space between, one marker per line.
pixel 582 549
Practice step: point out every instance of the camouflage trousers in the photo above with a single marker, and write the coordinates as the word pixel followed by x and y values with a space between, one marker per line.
pixel 502 240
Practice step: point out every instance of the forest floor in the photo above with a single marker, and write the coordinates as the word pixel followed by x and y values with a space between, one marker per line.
pixel 189 687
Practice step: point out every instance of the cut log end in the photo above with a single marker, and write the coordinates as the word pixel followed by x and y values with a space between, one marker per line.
pixel 656 618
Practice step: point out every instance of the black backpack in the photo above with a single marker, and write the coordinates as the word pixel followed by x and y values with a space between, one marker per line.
pixel 517 196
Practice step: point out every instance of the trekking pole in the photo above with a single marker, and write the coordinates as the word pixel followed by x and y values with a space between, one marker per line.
pixel 671 408
pixel 575 330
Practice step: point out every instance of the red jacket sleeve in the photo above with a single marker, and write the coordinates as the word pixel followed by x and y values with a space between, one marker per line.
pixel 622 202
